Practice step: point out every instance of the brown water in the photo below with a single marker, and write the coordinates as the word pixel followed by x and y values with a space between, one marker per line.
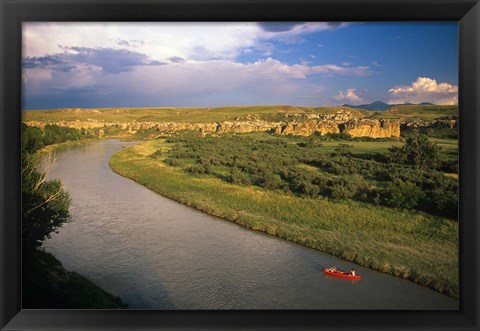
pixel 156 253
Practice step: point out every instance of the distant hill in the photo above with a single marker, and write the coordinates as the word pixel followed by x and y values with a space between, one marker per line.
pixel 375 106
pixel 381 106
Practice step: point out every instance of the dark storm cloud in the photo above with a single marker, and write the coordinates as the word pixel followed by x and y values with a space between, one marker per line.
pixel 278 26
pixel 129 43
pixel 44 61
pixel 75 91
pixel 109 59
pixel 122 42
pixel 176 59
pixel 48 62
pixel 287 26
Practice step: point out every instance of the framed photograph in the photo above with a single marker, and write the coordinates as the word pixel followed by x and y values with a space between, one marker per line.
pixel 239 165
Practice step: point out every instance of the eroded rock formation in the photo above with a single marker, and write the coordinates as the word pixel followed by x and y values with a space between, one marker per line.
pixel 354 127
pixel 307 128
pixel 372 128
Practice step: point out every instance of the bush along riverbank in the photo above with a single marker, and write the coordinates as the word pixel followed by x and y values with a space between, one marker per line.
pixel 45 208
pixel 48 285
pixel 406 242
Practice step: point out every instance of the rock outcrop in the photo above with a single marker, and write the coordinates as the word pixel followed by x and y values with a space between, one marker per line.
pixel 447 122
pixel 354 127
pixel 371 128
pixel 340 115
pixel 244 126
pixel 307 128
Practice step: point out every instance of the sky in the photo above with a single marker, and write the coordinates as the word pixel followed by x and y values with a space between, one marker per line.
pixel 161 64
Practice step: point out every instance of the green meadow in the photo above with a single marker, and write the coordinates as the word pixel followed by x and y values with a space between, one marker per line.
pixel 418 112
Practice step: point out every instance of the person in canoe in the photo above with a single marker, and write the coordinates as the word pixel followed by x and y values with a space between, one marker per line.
pixel 352 272
pixel 333 269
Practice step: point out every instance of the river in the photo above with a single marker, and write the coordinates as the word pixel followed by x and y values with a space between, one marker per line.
pixel 156 253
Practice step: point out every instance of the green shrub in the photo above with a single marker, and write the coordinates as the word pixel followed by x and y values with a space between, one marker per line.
pixel 269 180
pixel 156 154
pixel 236 176
pixel 402 194
pixel 173 162
pixel 342 189
pixel 418 151
pixel 199 169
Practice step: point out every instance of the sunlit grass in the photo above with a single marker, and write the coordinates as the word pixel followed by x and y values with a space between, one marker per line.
pixel 418 112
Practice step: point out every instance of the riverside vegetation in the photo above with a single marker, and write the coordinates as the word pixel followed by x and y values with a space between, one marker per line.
pixel 45 283
pixel 343 197
pixel 388 203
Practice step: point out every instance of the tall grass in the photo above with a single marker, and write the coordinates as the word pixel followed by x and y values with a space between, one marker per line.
pixel 412 245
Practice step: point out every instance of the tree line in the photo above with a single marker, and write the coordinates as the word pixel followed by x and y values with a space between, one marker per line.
pixel 45 209
pixel 34 138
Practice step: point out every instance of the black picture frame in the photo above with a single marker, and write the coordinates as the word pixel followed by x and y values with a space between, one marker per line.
pixel 13 12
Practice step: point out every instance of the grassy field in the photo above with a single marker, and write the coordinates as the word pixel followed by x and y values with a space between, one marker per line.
pixel 164 114
pixel 220 114
pixel 418 112
pixel 449 147
pixel 408 244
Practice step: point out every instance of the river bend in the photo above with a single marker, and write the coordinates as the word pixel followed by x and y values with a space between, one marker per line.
pixel 156 253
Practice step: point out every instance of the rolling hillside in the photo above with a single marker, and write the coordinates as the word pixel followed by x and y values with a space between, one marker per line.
pixel 188 115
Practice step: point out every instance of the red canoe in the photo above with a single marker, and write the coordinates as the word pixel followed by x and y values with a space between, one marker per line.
pixel 341 274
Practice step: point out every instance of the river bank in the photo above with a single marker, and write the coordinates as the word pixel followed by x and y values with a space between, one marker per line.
pixel 46 283
pixel 401 243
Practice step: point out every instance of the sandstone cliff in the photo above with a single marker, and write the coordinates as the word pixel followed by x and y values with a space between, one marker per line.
pixel 372 128
pixel 307 128
pixel 354 127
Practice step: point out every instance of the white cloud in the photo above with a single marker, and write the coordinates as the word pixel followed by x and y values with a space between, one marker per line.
pixel 157 40
pixel 114 61
pixel 376 64
pixel 162 40
pixel 301 29
pixel 180 79
pixel 425 89
pixel 348 95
